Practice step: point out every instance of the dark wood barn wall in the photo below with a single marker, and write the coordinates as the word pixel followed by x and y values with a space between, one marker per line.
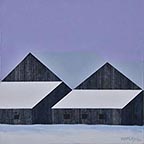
pixel 133 112
pixel 31 69
pixel 42 113
pixel 107 77
pixel 143 107
pixel 15 116
pixel 86 116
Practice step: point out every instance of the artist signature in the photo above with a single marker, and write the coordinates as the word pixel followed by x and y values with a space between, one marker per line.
pixel 131 140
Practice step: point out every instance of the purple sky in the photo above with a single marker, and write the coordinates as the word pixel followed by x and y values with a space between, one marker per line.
pixel 74 36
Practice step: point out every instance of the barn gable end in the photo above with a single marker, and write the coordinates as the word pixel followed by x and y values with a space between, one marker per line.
pixel 31 69
pixel 107 77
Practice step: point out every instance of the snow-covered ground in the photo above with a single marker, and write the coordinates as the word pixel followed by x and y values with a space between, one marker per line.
pixel 71 134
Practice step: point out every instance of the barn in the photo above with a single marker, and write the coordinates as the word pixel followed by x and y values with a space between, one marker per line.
pixel 28 92
pixel 106 97
pixel 32 94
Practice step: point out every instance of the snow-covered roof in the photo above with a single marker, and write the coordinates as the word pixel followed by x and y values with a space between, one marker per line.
pixel 24 94
pixel 97 99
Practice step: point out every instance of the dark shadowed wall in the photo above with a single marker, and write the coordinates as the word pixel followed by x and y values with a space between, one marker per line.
pixel 87 116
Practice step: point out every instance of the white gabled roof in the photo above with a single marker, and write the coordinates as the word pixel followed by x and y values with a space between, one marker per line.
pixel 24 94
pixel 97 99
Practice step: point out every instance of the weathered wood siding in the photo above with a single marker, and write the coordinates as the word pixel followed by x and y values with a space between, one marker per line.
pixel 42 113
pixel 107 77
pixel 31 69
pixel 143 107
pixel 15 116
pixel 94 116
pixel 133 113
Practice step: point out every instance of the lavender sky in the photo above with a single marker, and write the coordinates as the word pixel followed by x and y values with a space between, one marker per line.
pixel 74 37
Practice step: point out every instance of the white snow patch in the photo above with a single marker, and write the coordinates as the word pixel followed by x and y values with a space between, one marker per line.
pixel 24 94
pixel 97 99
pixel 71 134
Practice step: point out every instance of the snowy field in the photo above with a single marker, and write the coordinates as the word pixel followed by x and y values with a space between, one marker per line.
pixel 71 134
